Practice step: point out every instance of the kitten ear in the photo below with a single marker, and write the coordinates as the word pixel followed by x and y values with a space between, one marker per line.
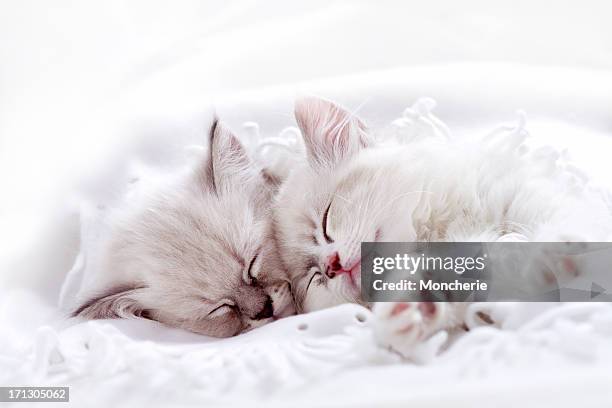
pixel 229 165
pixel 121 301
pixel 331 133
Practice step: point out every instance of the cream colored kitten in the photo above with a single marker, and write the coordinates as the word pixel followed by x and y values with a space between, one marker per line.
pixel 350 190
pixel 189 252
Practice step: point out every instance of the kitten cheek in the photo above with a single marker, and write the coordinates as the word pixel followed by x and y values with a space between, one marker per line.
pixel 317 297
pixel 222 326
pixel 253 324
pixel 282 301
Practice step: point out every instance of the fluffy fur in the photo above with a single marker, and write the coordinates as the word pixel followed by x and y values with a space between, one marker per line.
pixel 189 252
pixel 350 190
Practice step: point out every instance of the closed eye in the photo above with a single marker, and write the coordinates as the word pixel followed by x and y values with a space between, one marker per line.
pixel 325 217
pixel 314 278
pixel 221 309
pixel 250 270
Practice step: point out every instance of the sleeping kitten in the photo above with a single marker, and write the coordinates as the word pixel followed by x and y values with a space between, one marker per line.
pixel 349 190
pixel 189 252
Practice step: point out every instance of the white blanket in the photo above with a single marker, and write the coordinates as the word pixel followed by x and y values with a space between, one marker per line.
pixel 542 354
pixel 70 69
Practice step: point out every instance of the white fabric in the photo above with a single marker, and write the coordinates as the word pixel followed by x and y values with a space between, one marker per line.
pixel 95 90
pixel 324 357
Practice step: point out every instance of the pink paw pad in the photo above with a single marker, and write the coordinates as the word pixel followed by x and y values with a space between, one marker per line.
pixel 399 308
pixel 570 266
pixel 428 309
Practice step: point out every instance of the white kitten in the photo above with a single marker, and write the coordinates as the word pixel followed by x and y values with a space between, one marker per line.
pixel 190 252
pixel 350 190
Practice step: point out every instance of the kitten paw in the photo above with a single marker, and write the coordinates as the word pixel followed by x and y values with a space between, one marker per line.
pixel 402 326
pixel 559 267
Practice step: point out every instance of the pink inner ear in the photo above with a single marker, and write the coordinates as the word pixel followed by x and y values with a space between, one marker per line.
pixel 227 144
pixel 229 163
pixel 331 133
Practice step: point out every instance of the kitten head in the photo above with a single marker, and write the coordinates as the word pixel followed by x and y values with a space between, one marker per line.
pixel 190 253
pixel 347 191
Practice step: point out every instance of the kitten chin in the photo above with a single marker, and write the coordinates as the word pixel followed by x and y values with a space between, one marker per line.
pixel 189 250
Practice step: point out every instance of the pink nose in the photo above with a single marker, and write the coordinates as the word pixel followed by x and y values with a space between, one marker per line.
pixel 334 266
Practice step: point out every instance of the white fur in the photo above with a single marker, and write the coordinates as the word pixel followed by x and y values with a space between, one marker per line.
pixel 429 190
pixel 189 250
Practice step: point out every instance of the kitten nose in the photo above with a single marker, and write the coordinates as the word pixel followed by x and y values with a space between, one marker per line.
pixel 267 310
pixel 333 265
